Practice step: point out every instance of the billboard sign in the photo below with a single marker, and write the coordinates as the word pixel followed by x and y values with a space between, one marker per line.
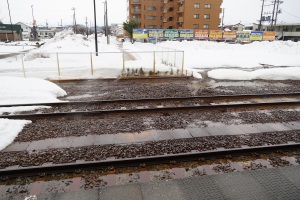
pixel 201 34
pixel 229 35
pixel 243 35
pixel 215 35
pixel 270 36
pixel 171 34
pixel 156 33
pixel 256 35
pixel 186 34
pixel 140 33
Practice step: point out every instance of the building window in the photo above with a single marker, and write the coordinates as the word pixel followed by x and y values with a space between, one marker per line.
pixel 206 26
pixel 206 16
pixel 152 17
pixel 207 6
pixel 297 29
pixel 196 5
pixel 151 7
pixel 152 26
pixel 196 16
pixel 195 26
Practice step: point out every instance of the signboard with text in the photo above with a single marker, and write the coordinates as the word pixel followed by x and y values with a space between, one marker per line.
pixel 156 33
pixel 229 35
pixel 201 34
pixel 186 34
pixel 243 35
pixel 256 35
pixel 215 35
pixel 140 33
pixel 171 34
pixel 270 36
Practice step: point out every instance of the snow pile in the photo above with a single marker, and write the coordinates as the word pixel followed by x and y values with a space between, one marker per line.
pixel 28 90
pixel 208 54
pixel 9 130
pixel 288 73
pixel 68 55
pixel 21 91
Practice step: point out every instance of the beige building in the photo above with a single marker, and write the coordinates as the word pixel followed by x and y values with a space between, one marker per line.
pixel 176 14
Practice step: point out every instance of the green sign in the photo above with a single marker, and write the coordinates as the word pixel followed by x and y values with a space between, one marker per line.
pixel 171 34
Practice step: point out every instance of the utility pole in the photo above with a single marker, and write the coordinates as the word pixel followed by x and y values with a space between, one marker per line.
pixel 277 11
pixel 104 14
pixel 273 15
pixel 86 25
pixel 74 20
pixel 262 10
pixel 11 26
pixel 34 25
pixel 223 19
pixel 96 39
pixel 106 28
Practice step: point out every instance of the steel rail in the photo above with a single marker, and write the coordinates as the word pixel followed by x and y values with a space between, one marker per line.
pixel 205 98
pixel 140 161
pixel 149 110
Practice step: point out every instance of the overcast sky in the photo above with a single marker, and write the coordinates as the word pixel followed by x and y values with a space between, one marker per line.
pixel 244 11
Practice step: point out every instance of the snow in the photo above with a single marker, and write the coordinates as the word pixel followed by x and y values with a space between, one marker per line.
pixel 16 47
pixel 215 56
pixel 13 110
pixel 16 90
pixel 28 90
pixel 286 73
pixel 76 60
pixel 9 130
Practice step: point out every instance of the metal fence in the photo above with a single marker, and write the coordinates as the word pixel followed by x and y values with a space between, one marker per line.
pixel 159 61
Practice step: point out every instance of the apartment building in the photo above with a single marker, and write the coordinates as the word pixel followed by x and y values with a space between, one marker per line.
pixel 176 14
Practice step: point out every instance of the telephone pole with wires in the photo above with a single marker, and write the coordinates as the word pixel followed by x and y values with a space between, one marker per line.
pixel 74 20
pixel 261 16
pixel 11 26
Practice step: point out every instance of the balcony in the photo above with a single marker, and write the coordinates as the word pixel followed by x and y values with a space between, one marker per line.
pixel 180 19
pixel 133 2
pixel 135 11
pixel 180 9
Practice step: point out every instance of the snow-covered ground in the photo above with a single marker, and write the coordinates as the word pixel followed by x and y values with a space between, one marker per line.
pixel 74 58
pixel 15 90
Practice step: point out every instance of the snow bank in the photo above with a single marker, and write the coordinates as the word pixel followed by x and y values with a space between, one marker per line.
pixel 21 91
pixel 288 73
pixel 208 54
pixel 9 130
pixel 28 90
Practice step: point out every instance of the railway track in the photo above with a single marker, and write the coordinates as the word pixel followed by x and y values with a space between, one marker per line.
pixel 207 103
pixel 114 164
pixel 93 108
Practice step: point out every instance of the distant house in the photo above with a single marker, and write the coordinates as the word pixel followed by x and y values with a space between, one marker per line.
pixel 235 27
pixel 286 31
pixel 10 32
pixel 45 32
pixel 26 30
pixel 117 30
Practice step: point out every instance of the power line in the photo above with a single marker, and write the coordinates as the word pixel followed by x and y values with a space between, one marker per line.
pixel 290 13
